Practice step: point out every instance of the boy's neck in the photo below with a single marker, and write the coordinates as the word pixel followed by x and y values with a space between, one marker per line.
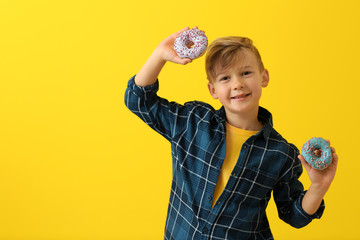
pixel 247 121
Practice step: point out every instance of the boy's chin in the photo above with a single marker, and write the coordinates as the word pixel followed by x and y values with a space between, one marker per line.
pixel 241 110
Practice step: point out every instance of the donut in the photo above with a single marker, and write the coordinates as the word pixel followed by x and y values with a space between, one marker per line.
pixel 317 153
pixel 191 44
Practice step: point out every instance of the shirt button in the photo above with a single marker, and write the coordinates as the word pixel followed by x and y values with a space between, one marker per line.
pixel 218 167
pixel 210 198
pixel 205 230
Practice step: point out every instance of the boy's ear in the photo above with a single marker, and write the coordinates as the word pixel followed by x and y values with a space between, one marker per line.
pixel 265 78
pixel 212 90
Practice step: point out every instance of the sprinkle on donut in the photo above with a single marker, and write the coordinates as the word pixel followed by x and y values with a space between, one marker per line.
pixel 191 44
pixel 317 153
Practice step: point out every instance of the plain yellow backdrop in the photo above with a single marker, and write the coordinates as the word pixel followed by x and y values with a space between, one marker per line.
pixel 76 164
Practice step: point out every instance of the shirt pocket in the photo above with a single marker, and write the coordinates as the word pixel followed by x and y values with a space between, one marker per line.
pixel 255 183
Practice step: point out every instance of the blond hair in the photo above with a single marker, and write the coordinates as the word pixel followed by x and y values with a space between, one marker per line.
pixel 224 51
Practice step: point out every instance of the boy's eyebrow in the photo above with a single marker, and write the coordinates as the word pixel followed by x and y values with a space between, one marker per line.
pixel 224 71
pixel 247 66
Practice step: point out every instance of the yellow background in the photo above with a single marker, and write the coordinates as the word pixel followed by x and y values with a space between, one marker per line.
pixel 76 164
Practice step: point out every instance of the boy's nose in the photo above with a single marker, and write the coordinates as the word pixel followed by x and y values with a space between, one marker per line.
pixel 238 83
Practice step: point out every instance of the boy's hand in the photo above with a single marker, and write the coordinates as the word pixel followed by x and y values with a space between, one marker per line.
pixel 321 179
pixel 164 52
pixel 167 52
pixel 320 183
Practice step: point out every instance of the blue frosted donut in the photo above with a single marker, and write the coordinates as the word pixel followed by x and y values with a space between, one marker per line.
pixel 317 153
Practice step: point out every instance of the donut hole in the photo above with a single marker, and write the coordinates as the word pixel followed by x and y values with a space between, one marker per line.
pixel 317 153
pixel 190 44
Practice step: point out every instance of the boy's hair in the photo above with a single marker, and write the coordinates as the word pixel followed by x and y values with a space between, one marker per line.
pixel 223 52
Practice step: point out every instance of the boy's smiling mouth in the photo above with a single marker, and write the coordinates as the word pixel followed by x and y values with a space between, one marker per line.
pixel 240 96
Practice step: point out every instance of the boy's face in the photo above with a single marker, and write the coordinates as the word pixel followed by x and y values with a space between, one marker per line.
pixel 239 86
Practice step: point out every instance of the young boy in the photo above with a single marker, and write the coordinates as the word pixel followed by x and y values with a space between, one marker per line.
pixel 226 162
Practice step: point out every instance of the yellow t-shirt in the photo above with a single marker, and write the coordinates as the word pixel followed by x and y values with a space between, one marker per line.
pixel 235 138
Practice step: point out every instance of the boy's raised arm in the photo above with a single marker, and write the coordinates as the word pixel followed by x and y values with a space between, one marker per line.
pixel 164 52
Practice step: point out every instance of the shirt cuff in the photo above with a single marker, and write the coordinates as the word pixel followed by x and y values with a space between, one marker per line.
pixel 316 215
pixel 142 91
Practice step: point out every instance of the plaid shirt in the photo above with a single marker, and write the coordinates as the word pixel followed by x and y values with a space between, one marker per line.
pixel 267 163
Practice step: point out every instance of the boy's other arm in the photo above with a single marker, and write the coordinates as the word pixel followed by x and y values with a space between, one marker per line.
pixel 320 183
pixel 164 52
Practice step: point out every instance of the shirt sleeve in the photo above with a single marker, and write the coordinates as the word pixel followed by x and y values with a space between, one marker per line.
pixel 289 192
pixel 163 116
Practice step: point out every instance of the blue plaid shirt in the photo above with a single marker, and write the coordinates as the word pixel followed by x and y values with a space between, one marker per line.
pixel 267 163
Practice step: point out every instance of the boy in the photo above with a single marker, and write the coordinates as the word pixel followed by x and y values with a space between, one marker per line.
pixel 226 162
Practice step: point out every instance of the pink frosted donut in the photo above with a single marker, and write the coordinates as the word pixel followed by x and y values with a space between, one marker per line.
pixel 193 36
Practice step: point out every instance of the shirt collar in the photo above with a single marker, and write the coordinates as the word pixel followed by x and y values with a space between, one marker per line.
pixel 264 117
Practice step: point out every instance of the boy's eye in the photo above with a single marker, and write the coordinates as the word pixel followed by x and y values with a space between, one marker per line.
pixel 224 78
pixel 246 73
